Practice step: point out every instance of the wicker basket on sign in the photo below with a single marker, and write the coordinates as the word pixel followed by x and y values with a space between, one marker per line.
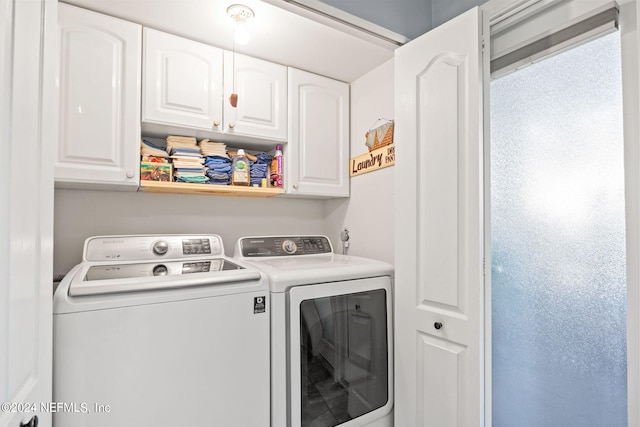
pixel 379 135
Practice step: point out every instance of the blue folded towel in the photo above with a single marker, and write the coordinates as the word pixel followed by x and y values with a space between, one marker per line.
pixel 152 145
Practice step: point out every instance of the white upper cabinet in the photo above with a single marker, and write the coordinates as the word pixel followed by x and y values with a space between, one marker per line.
pixel 182 82
pixel 183 87
pixel 261 87
pixel 317 153
pixel 99 100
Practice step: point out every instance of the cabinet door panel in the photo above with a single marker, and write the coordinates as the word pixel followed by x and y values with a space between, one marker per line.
pixel 261 87
pixel 318 147
pixel 182 82
pixel 96 57
pixel 99 121
pixel 177 69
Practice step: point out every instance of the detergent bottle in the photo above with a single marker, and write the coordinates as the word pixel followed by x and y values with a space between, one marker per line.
pixel 240 173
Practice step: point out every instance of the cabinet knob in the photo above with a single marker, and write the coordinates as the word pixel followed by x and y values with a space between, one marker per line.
pixel 130 174
pixel 232 125
pixel 295 186
pixel 216 123
pixel 33 422
pixel 438 325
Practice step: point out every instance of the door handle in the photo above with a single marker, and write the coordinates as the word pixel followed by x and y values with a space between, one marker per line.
pixel 33 422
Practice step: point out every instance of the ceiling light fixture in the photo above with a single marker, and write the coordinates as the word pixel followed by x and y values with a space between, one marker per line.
pixel 240 14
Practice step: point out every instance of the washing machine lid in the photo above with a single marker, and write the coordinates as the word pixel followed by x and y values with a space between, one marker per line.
pixel 135 270
pixel 100 278
pixel 145 263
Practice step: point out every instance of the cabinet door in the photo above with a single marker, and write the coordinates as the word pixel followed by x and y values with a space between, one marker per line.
pixel 261 87
pixel 99 99
pixel 182 82
pixel 318 149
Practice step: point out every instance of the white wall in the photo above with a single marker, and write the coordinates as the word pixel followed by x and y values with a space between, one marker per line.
pixel 444 10
pixel 411 18
pixel 82 214
pixel 369 213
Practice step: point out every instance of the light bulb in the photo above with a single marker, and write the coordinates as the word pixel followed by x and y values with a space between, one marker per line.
pixel 240 15
pixel 242 35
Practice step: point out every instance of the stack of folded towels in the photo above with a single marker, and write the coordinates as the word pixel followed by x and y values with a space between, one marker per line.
pixel 188 164
pixel 210 148
pixel 216 161
pixel 260 169
pixel 151 152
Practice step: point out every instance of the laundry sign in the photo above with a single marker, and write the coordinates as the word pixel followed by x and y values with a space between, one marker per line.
pixel 373 160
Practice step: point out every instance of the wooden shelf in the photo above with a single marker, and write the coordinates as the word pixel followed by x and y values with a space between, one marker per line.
pixel 210 189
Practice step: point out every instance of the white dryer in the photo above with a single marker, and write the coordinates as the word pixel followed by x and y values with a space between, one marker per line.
pixel 331 332
pixel 161 331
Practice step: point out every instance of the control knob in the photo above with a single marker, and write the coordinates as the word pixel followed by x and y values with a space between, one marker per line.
pixel 160 270
pixel 289 247
pixel 160 247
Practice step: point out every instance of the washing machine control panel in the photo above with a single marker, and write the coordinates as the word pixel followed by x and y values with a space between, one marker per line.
pixel 251 247
pixel 196 246
pixel 148 247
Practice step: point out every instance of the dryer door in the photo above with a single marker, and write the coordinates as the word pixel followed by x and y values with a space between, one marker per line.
pixel 340 353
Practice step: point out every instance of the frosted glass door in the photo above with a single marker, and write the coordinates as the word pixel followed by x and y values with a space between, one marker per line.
pixel 558 242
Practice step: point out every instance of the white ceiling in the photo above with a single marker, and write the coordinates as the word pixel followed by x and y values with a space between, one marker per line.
pixel 277 33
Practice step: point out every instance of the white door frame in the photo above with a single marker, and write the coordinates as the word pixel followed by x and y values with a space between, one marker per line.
pixel 28 122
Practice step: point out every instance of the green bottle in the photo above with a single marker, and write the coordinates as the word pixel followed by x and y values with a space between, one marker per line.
pixel 240 170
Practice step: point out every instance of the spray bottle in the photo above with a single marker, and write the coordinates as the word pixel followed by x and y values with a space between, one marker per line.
pixel 276 168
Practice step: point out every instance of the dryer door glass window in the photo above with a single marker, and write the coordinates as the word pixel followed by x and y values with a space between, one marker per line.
pixel 343 357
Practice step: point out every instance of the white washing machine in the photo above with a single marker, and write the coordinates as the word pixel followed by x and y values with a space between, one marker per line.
pixel 331 332
pixel 161 331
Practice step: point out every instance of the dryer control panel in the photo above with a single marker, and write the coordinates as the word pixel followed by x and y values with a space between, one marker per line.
pixel 269 246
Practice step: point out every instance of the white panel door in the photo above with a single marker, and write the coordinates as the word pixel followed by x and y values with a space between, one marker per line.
pixel 439 267
pixel 182 82
pixel 261 87
pixel 27 141
pixel 317 156
pixel 99 99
